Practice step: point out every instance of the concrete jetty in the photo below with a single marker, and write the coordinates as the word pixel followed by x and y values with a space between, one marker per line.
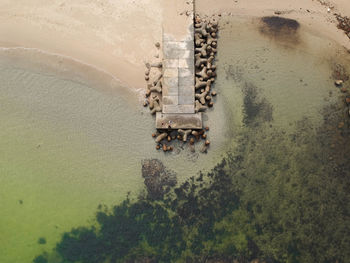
pixel 178 94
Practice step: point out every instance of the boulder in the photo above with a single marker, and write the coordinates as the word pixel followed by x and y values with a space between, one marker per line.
pixel 338 82
pixel 161 136
pixel 199 107
pixel 184 134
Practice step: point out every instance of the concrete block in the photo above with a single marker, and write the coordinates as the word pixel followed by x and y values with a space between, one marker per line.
pixel 186 63
pixel 168 37
pixel 170 92
pixel 170 82
pixel 174 53
pixel 170 72
pixel 186 81
pixel 179 121
pixel 170 87
pixel 186 100
pixel 170 100
pixel 170 63
pixel 175 44
pixel 185 72
pixel 190 44
pixel 191 31
pixel 178 108
pixel 187 91
pixel 186 54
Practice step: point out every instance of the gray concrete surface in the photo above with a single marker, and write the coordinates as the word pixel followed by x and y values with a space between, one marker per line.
pixel 178 81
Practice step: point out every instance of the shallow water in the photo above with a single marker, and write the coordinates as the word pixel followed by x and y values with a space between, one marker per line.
pixel 67 145
pixel 294 78
pixel 69 141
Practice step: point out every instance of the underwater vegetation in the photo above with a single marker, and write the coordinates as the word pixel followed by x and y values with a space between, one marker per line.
pixel 157 178
pixel 279 197
pixel 42 240
pixel 41 259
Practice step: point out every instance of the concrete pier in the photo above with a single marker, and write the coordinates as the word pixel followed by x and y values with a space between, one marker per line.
pixel 178 94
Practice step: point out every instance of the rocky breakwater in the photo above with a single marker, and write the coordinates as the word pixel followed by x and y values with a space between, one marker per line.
pixel 205 43
pixel 153 77
pixel 205 40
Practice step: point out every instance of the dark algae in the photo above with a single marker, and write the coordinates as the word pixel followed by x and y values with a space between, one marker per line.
pixel 279 197
pixel 277 23
pixel 281 29
pixel 158 179
pixel 41 259
pixel 42 240
pixel 255 108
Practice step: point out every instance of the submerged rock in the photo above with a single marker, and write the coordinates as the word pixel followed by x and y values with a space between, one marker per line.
pixel 42 240
pixel 158 179
pixel 161 137
pixel 347 100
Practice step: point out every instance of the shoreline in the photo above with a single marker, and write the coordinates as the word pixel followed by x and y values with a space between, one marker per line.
pixel 70 31
pixel 71 69
pixel 113 37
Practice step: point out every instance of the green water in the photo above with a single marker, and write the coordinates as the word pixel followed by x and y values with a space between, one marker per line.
pixel 69 141
pixel 67 145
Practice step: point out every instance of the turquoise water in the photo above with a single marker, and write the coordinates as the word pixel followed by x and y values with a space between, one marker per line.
pixel 72 137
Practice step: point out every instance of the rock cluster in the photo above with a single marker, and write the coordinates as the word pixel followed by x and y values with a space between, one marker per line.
pixel 158 179
pixel 164 138
pixel 153 77
pixel 341 84
pixel 343 24
pixel 205 40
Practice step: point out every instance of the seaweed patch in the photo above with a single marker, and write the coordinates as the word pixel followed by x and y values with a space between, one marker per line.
pixel 262 201
pixel 280 28
pixel 158 179
pixel 255 108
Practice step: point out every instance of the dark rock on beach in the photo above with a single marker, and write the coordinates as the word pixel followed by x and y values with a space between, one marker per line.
pixel 343 24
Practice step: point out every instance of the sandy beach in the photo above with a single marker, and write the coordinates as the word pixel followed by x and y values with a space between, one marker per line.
pixel 114 36
pixel 118 37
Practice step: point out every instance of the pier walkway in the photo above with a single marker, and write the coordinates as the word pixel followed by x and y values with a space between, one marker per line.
pixel 178 95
